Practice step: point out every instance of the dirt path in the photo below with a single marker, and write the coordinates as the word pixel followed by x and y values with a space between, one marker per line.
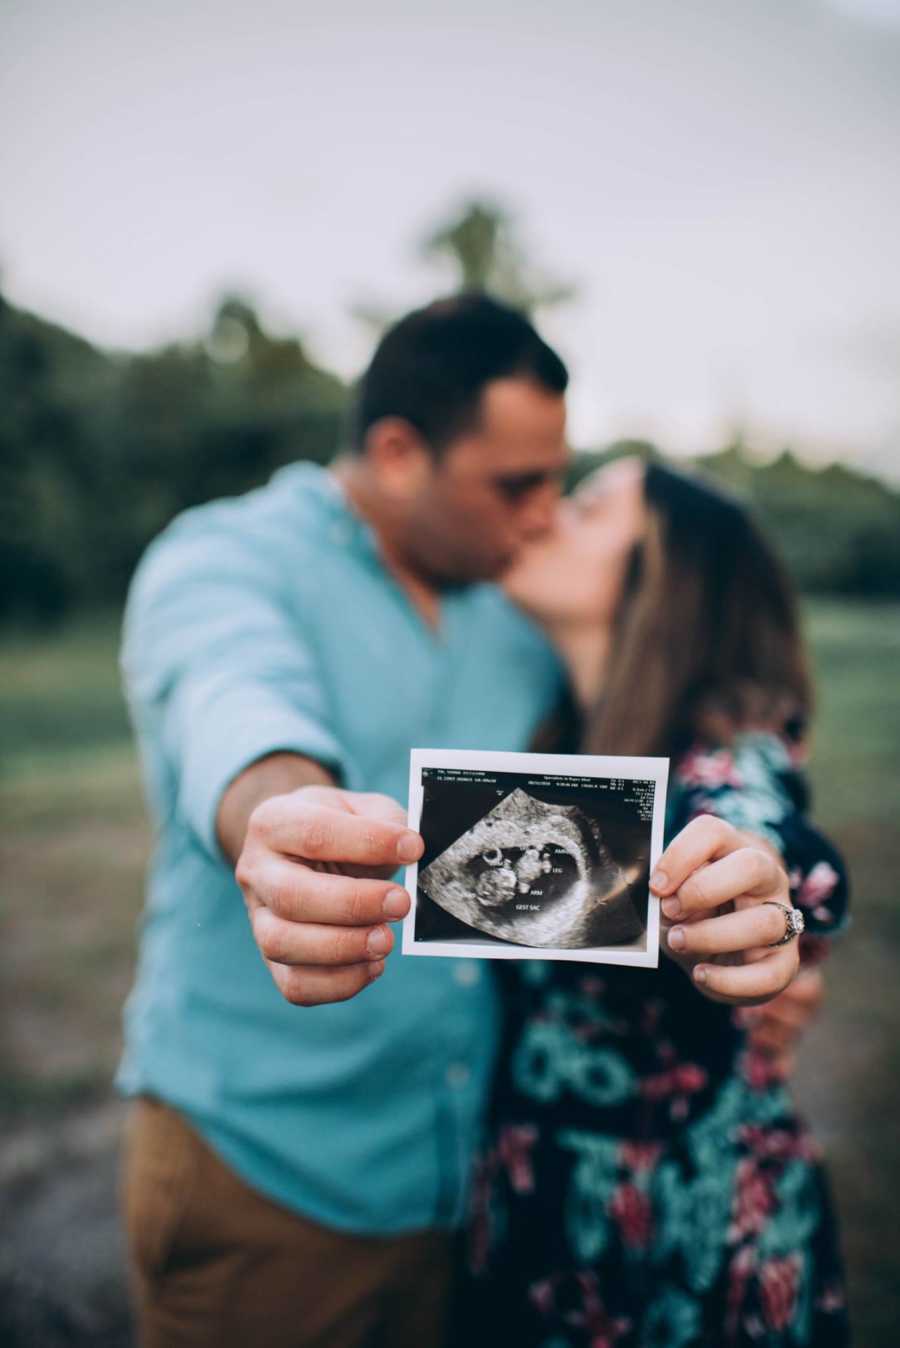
pixel 62 1265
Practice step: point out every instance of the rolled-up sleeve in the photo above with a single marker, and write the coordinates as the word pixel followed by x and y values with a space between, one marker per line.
pixel 221 668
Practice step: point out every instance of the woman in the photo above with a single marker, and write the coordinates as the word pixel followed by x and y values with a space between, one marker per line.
pixel 646 1180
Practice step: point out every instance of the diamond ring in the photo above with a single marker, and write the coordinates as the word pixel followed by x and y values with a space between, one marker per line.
pixel 794 922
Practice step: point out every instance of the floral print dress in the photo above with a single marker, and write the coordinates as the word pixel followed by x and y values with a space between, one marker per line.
pixel 646 1181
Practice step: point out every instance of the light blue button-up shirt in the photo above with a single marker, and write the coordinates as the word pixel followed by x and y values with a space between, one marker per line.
pixel 268 623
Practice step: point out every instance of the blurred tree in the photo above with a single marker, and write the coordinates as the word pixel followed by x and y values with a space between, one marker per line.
pixel 97 453
pixel 838 530
pixel 214 418
pixel 482 245
pixel 51 385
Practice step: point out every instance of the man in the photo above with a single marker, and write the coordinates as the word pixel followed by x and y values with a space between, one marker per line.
pixel 293 1176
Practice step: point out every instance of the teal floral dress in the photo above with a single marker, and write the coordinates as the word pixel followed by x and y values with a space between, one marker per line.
pixel 646 1181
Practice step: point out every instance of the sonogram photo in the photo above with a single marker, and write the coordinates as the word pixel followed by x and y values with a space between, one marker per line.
pixel 540 860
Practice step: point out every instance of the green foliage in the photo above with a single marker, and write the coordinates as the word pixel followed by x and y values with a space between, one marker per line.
pixel 49 381
pixel 481 244
pixel 98 452
pixel 838 531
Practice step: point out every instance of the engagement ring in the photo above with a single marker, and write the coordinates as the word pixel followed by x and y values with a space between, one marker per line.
pixel 794 922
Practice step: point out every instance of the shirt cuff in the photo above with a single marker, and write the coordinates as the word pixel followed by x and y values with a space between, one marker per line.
pixel 215 758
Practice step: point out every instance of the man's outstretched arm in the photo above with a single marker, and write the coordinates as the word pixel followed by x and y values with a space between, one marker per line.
pixel 274 775
pixel 313 863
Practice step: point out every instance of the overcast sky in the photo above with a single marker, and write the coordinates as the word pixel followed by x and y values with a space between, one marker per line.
pixel 721 180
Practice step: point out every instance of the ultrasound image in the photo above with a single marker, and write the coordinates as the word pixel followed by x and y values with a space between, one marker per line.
pixel 536 872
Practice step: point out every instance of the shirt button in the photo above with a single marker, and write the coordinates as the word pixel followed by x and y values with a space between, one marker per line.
pixel 458 1075
pixel 467 973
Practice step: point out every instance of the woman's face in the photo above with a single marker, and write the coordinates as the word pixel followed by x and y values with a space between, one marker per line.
pixel 575 573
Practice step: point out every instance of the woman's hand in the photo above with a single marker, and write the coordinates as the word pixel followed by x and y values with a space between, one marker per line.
pixel 776 1028
pixel 719 889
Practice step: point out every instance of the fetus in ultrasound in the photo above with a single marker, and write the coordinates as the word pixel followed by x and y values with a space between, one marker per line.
pixel 536 874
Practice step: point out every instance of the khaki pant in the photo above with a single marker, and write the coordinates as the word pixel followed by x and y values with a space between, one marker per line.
pixel 216 1264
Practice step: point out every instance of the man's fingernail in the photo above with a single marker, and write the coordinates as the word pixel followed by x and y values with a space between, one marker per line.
pixel 379 941
pixel 659 880
pixel 376 970
pixel 408 847
pixel 676 938
pixel 700 975
pixel 396 904
pixel 671 908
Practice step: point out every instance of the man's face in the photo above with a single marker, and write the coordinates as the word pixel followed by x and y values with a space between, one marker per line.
pixel 495 487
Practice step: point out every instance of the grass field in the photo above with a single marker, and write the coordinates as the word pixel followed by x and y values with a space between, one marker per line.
pixel 73 843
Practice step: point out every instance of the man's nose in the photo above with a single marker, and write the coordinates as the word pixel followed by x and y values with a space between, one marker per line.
pixel 540 510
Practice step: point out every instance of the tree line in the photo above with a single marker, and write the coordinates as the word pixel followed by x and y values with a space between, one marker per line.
pixel 98 451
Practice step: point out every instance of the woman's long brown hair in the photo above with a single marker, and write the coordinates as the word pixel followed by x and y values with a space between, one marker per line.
pixel 707 638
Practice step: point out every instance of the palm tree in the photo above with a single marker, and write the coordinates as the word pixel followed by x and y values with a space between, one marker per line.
pixel 481 243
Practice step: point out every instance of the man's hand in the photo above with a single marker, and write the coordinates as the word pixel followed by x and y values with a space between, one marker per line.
pixel 776 1028
pixel 720 886
pixel 314 872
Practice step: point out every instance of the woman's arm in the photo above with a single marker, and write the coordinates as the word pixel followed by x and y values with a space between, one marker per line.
pixel 757 784
pixel 742 845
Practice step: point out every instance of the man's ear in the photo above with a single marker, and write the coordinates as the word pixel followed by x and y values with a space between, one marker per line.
pixel 398 457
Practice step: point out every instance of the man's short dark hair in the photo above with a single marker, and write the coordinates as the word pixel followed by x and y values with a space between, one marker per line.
pixel 431 367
